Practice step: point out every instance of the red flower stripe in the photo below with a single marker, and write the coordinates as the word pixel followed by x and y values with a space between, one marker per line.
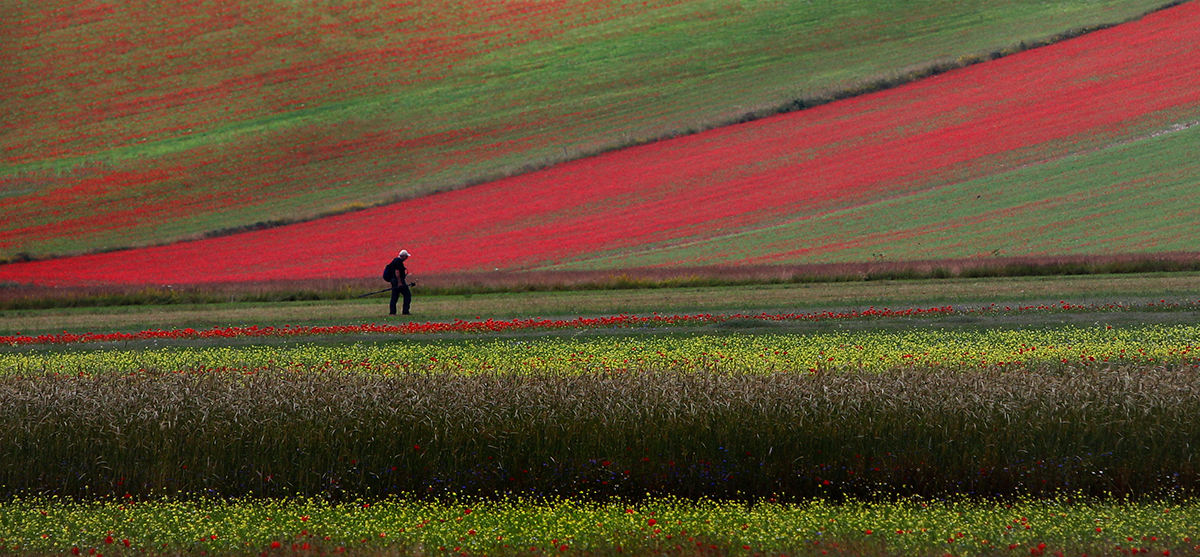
pixel 459 326
pixel 537 323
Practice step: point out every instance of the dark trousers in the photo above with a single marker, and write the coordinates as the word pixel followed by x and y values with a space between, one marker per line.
pixel 399 289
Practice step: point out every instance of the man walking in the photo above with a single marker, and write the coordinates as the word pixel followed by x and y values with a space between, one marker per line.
pixel 398 276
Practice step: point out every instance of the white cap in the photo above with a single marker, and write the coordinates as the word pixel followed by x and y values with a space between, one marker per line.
pixel 403 253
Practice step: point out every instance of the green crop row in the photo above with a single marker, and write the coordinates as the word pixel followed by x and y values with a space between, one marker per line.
pixel 875 350
pixel 565 527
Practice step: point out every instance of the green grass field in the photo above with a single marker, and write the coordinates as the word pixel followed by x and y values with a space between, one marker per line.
pixel 1082 290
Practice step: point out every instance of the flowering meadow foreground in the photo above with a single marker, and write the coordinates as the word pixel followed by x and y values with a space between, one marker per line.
pixel 564 527
pixel 1036 440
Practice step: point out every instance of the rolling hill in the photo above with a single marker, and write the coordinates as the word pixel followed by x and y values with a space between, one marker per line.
pixel 129 124
pixel 1085 146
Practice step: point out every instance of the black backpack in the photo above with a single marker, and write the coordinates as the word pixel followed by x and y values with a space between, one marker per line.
pixel 389 274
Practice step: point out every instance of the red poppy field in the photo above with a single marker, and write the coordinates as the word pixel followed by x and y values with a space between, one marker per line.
pixel 733 187
pixel 129 128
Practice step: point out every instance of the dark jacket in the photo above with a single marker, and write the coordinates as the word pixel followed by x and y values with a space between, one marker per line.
pixel 398 272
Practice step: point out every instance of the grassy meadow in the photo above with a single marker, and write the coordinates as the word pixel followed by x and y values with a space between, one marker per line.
pixel 564 295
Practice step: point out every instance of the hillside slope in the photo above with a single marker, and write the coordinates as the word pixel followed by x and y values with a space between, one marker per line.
pixel 1041 132
pixel 131 125
pixel 1135 196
